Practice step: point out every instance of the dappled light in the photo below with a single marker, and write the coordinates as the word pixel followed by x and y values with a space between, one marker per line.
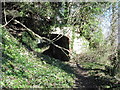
pixel 60 45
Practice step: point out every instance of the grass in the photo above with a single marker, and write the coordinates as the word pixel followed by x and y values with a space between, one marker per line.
pixel 23 69
pixel 97 64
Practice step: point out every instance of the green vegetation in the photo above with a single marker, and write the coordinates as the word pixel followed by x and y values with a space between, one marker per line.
pixel 22 69
pixel 23 65
pixel 98 63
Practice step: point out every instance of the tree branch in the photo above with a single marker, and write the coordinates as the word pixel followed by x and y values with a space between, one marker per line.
pixel 44 38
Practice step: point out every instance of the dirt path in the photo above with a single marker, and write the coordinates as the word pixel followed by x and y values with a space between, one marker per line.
pixel 83 81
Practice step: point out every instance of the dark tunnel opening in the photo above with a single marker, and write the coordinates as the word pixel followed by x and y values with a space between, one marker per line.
pixel 53 51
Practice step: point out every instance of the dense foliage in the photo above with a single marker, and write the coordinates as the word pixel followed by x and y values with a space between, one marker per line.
pixel 22 67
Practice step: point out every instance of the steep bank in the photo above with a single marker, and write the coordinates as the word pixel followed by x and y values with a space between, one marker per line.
pixel 23 69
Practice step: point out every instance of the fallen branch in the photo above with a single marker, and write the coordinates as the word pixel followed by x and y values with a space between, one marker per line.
pixel 50 41
pixel 8 22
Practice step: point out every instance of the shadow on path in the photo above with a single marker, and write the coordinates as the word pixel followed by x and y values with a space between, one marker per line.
pixel 89 82
pixel 82 80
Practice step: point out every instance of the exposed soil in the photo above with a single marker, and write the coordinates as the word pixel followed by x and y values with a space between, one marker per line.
pixel 84 81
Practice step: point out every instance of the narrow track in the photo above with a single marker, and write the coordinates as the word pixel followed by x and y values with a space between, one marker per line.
pixel 83 81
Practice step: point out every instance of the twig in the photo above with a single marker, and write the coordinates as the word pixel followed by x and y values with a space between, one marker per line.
pixel 5 14
pixel 8 22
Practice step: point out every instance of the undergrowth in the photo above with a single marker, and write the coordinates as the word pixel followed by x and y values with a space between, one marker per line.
pixel 98 63
pixel 23 69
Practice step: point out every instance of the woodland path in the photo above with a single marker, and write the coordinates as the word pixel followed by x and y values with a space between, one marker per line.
pixel 83 80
